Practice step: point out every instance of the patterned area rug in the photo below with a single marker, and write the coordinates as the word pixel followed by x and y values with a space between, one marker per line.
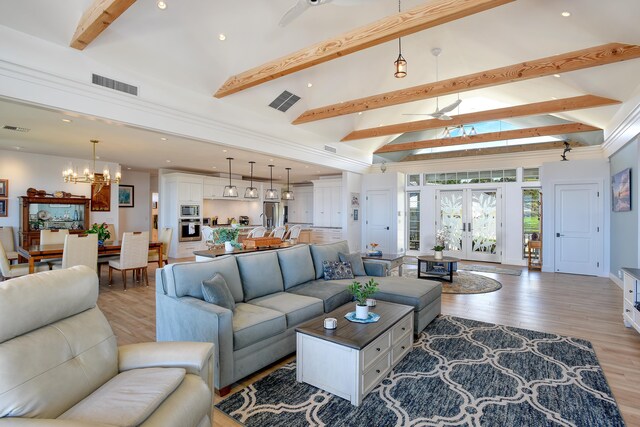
pixel 459 373
pixel 463 283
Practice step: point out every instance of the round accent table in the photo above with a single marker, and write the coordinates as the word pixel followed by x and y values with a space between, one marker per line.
pixel 437 269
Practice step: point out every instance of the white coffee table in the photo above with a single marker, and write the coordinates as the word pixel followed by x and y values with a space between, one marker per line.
pixel 352 359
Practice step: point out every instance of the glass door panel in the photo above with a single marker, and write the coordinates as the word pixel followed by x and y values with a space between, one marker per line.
pixel 414 220
pixel 484 221
pixel 451 219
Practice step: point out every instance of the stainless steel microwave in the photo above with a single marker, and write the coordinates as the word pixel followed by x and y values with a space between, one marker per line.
pixel 189 211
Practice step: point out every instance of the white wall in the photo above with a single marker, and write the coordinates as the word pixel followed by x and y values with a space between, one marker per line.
pixel 351 229
pixel 25 170
pixel 572 172
pixel 224 209
pixel 137 218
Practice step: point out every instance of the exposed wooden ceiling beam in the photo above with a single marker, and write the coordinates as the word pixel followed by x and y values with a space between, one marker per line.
pixel 493 150
pixel 392 27
pixel 562 63
pixel 489 136
pixel 534 109
pixel 96 19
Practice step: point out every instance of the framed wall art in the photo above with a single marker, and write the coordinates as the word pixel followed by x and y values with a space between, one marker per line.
pixel 126 196
pixel 4 208
pixel 621 189
pixel 4 188
pixel 100 197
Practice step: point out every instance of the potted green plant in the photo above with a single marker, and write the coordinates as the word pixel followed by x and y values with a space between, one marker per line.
pixel 361 293
pixel 438 251
pixel 228 236
pixel 102 231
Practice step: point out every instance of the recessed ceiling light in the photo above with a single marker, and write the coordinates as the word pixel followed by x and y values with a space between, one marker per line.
pixel 556 75
pixel 128 169
pixel 18 148
pixel 309 84
pixel 162 5
pixel 306 167
pixel 163 138
pixel 168 161
pixel 98 157
pixel 224 151
pixel 359 113
pixel 553 97
pixel 271 160
pixel 214 167
pixel 566 14
pixel 66 120
pixel 222 37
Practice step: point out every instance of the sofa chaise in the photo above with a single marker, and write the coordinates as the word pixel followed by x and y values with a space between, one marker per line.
pixel 273 292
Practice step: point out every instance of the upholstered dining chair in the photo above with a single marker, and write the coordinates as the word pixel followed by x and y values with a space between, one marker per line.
pixel 278 232
pixel 133 256
pixel 112 232
pixel 53 237
pixel 79 249
pixel 165 238
pixel 257 232
pixel 9 271
pixel 6 238
pixel 294 233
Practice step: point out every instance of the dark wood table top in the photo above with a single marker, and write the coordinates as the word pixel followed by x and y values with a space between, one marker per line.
pixel 53 250
pixel 384 256
pixel 431 258
pixel 352 334
pixel 216 252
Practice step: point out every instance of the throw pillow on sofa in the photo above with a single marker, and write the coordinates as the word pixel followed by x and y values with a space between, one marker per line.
pixel 216 291
pixel 355 259
pixel 335 270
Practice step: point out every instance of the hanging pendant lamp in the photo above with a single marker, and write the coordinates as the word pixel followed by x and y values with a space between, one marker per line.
pixel 230 190
pixel 271 193
pixel 251 192
pixel 287 195
pixel 400 63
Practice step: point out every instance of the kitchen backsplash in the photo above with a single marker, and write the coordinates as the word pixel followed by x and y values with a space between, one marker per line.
pixel 232 208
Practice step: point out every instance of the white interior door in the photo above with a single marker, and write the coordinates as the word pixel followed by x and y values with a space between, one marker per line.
pixel 576 228
pixel 471 218
pixel 379 219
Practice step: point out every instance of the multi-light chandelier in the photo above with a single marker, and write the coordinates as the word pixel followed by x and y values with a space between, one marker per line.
pixel 89 176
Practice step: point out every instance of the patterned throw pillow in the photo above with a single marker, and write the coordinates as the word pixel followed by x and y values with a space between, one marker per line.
pixel 216 291
pixel 334 270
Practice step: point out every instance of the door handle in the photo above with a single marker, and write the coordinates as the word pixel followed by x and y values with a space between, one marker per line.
pixel 464 226
pixel 387 228
pixel 469 227
pixel 559 235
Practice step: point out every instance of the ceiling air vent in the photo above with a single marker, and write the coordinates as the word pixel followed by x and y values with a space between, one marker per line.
pixel 16 128
pixel 284 101
pixel 330 149
pixel 114 84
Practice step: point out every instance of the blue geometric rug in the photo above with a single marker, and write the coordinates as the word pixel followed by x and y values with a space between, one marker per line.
pixel 460 373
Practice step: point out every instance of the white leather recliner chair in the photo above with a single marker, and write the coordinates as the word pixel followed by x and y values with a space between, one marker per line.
pixel 60 366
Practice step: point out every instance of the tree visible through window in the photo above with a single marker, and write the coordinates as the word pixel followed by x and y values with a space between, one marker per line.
pixel 531 217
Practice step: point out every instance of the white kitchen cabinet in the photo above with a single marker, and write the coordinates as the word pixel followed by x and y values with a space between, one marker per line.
pixel 190 191
pixel 213 191
pixel 327 203
pixel 301 208
pixel 336 207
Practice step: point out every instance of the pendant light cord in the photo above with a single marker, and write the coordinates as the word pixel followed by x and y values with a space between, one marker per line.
pixel 399 38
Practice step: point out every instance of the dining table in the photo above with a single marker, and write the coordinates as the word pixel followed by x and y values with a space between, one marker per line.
pixel 36 253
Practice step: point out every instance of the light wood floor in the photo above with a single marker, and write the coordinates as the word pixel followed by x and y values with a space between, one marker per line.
pixel 579 306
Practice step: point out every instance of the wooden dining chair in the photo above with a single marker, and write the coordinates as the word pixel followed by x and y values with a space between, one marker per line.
pixel 165 238
pixel 53 237
pixel 7 240
pixel 133 256
pixel 257 232
pixel 9 271
pixel 79 249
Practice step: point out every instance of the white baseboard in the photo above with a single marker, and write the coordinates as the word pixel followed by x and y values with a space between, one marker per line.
pixel 616 280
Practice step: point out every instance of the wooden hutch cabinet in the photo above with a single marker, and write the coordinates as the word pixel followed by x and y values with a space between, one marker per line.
pixel 51 213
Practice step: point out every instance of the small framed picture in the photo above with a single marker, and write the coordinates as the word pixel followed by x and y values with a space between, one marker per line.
pixel 125 196
pixel 3 207
pixel 4 188
pixel 355 214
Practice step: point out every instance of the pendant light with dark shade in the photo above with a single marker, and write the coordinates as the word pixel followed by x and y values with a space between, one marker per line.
pixel 230 190
pixel 271 193
pixel 287 195
pixel 400 63
pixel 251 192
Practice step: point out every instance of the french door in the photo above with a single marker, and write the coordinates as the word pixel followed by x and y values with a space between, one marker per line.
pixel 470 220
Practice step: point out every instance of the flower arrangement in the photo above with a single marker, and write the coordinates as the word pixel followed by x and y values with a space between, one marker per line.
pixel 442 236
pixel 222 235
pixel 101 230
pixel 362 292
pixel 373 246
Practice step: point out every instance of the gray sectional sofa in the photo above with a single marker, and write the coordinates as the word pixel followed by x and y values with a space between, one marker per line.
pixel 274 292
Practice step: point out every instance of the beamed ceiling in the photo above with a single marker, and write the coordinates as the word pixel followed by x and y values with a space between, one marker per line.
pixel 528 77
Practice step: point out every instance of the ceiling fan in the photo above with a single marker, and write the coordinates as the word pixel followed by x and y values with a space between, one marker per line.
pixel 440 113
pixel 302 5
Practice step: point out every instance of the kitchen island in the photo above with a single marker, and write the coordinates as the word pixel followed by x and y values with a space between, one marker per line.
pixel 216 252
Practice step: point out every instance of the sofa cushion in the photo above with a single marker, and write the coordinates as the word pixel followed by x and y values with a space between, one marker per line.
pixel 296 265
pixel 408 291
pixel 216 291
pixel 128 398
pixel 355 259
pixel 260 273
pixel 333 294
pixel 336 270
pixel 185 278
pixel 327 252
pixel 252 323
pixel 297 308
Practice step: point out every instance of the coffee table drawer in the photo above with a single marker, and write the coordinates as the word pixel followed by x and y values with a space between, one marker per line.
pixel 401 328
pixel 373 376
pixel 401 348
pixel 380 346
